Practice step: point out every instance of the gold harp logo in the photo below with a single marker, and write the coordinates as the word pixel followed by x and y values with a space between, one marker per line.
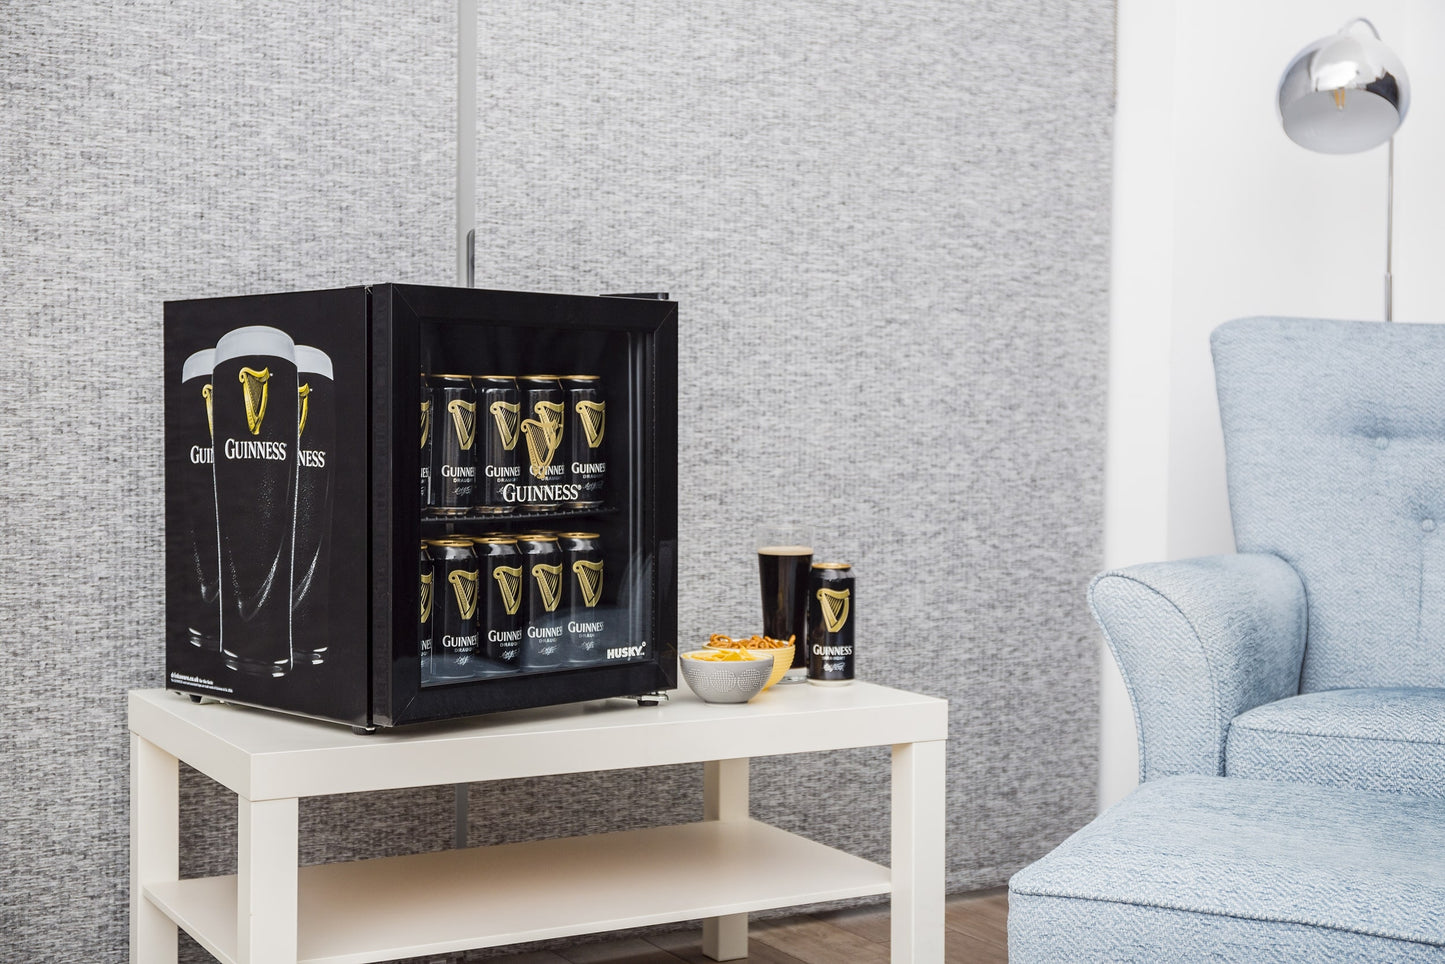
pixel 426 595
pixel 589 579
pixel 542 445
pixel 305 392
pixel 549 584
pixel 507 415
pixel 256 388
pixel 550 415
pixel 594 421
pixel 210 422
pixel 425 423
pixel 509 582
pixel 835 607
pixel 464 584
pixel 464 418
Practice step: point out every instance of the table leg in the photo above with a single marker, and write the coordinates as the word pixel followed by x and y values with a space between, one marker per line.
pixel 266 882
pixel 918 848
pixel 725 797
pixel 154 848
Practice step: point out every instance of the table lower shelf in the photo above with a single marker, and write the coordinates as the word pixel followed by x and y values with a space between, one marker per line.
pixel 409 906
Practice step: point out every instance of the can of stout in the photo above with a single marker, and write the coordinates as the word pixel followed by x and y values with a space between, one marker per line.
pixel 582 572
pixel 254 414
pixel 584 432
pixel 316 442
pixel 830 624
pixel 426 443
pixel 427 599
pixel 544 473
pixel 455 588
pixel 500 619
pixel 542 645
pixel 453 446
pixel 498 465
pixel 192 460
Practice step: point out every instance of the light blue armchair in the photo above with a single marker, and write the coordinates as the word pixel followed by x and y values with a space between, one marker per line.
pixel 1317 653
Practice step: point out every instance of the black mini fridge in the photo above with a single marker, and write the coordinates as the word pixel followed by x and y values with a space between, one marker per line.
pixel 400 503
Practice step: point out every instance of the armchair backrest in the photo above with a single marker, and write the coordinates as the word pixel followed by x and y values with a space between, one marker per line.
pixel 1334 436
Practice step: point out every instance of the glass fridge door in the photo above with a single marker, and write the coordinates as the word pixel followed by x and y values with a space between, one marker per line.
pixel 538 530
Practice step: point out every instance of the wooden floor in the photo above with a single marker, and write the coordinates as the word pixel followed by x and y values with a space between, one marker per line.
pixel 976 933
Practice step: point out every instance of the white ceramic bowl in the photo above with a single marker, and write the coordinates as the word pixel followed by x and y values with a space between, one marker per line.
pixel 728 681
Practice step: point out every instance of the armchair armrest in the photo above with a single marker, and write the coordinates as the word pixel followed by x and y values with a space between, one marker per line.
pixel 1200 641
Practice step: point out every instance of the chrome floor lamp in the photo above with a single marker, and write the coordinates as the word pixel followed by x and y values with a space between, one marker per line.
pixel 1347 93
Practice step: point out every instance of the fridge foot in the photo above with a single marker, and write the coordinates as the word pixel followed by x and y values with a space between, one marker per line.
pixel 363 730
pixel 195 698
pixel 651 699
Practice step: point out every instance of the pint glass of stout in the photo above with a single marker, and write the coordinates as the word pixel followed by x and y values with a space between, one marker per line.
pixel 784 554
pixel 316 442
pixel 198 496
pixel 254 408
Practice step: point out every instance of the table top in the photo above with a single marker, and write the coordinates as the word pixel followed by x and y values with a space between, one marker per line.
pixel 264 755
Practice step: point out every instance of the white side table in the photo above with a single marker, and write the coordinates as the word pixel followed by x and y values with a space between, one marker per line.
pixel 718 869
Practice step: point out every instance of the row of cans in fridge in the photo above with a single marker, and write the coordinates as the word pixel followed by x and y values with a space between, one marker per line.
pixel 502 443
pixel 498 604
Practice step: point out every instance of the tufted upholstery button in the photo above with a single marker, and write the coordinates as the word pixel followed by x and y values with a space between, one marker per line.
pixel 1428 525
pixel 1381 441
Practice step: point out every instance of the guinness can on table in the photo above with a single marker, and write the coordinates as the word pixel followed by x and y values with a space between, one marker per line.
pixel 830 624
pixel 193 461
pixel 453 446
pixel 427 598
pixel 582 572
pixel 542 645
pixel 544 474
pixel 499 465
pixel 585 429
pixel 316 441
pixel 456 585
pixel 499 620
pixel 254 405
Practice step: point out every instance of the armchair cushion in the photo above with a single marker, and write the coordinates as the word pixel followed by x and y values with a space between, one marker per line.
pixel 1370 739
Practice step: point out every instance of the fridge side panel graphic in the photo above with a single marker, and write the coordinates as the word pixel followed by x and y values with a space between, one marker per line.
pixel 263 465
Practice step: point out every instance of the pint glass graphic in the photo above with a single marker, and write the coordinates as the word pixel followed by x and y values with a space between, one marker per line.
pixel 316 429
pixel 254 407
pixel 199 500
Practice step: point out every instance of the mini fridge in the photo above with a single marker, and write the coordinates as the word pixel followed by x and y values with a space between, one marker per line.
pixel 399 503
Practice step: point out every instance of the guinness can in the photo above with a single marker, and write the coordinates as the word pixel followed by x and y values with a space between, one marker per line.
pixel 316 441
pixel 582 575
pixel 453 446
pixel 499 412
pixel 500 618
pixel 830 624
pixel 542 644
pixel 193 461
pixel 426 443
pixel 544 466
pixel 427 597
pixel 585 429
pixel 254 405
pixel 456 585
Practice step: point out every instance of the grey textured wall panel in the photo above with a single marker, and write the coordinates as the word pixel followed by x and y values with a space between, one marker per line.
pixel 886 225
pixel 149 151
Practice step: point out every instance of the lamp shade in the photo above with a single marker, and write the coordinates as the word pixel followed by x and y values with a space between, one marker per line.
pixel 1344 93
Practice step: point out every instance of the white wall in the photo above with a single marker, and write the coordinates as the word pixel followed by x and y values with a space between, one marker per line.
pixel 1217 215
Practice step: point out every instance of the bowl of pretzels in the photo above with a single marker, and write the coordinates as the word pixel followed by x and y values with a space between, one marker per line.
pixel 781 650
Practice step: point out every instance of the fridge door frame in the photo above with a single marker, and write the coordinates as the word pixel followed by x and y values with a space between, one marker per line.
pixel 397 696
